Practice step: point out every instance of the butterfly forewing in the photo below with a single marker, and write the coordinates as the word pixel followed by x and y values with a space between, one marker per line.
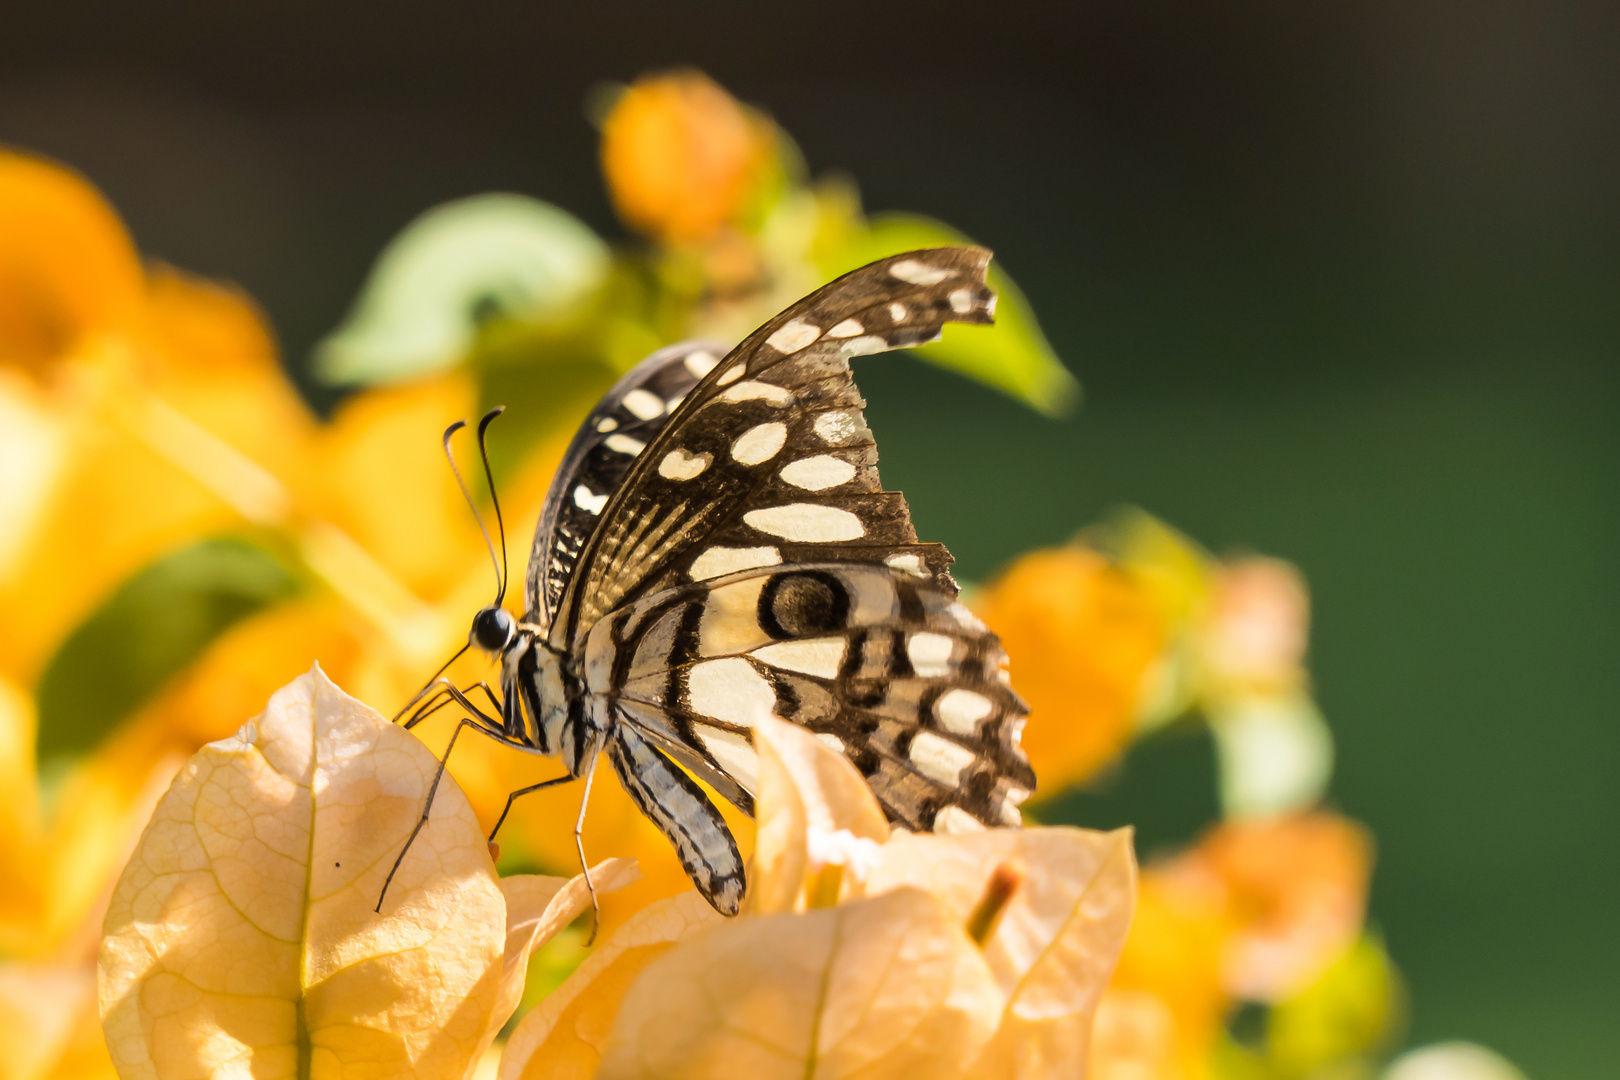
pixel 768 460
pixel 599 458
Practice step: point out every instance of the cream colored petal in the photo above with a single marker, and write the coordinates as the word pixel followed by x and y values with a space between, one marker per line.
pixel 1046 1028
pixel 889 987
pixel 803 785
pixel 243 927
pixel 537 907
pixel 1057 943
pixel 564 1035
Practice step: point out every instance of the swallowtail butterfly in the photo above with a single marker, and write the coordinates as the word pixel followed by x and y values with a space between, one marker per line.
pixel 716 546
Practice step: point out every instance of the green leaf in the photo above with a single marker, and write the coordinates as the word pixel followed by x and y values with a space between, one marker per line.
pixel 147 632
pixel 450 272
pixel 1013 356
pixel 1350 1011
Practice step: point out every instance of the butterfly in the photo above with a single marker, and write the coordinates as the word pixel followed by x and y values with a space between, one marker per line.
pixel 716 546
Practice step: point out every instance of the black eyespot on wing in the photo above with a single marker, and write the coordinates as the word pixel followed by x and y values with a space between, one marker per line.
pixel 803 604
pixel 906 683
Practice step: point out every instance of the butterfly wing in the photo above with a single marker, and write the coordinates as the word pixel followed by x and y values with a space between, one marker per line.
pixel 881 664
pixel 768 459
pixel 599 458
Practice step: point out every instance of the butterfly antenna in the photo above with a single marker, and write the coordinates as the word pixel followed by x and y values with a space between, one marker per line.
pixel 489 477
pixel 500 581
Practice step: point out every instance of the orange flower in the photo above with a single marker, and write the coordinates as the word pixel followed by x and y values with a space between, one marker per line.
pixel 1256 910
pixel 1258 625
pixel 1166 1004
pixel 67 268
pixel 682 158
pixel 178 426
pixel 1081 635
pixel 1296 894
pixel 49 1024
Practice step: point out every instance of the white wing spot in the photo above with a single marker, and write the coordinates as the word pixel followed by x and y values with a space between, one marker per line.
pixel 990 306
pixel 961 300
pixel 588 502
pixel 821 657
pixel 731 690
pixel 910 563
pixel 919 273
pixel 847 328
pixel 830 740
pixel 960 712
pixel 735 754
pixel 679 465
pixel 938 759
pixel 753 390
pixel 1008 813
pixel 718 561
pixel 644 403
pixel 864 346
pixel 607 423
pixel 701 363
pixel 807 523
pixel 793 337
pixel 818 473
pixel 759 443
pixel 624 444
pixel 964 618
pixel 930 654
pixel 731 374
pixel 897 312
pixel 953 821
pixel 837 427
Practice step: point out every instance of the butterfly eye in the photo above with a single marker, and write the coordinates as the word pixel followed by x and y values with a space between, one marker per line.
pixel 492 628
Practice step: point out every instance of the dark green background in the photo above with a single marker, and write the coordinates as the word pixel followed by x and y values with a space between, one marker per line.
pixel 1340 281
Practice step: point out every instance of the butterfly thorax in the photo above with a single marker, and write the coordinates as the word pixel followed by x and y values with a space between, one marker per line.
pixel 546 705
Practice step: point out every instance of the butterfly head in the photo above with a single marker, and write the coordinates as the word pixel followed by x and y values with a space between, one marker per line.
pixel 492 630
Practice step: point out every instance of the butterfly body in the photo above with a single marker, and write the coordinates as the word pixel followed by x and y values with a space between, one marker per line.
pixel 717 547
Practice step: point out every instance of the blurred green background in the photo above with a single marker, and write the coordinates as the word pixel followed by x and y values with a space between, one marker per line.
pixel 1340 284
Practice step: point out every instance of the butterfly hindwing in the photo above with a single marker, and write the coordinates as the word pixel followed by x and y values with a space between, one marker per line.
pixel 884 666
pixel 599 458
pixel 768 459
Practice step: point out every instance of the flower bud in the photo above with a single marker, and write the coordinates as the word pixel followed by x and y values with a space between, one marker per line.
pixel 682 157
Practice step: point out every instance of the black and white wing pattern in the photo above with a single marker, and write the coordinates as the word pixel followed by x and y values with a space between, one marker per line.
pixel 750 562
pixel 599 458
pixel 881 665
pixel 768 460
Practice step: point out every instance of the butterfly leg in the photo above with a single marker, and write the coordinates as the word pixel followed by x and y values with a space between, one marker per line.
pixel 427 807
pixel 512 798
pixel 443 697
pixel 579 846
pixel 448 691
